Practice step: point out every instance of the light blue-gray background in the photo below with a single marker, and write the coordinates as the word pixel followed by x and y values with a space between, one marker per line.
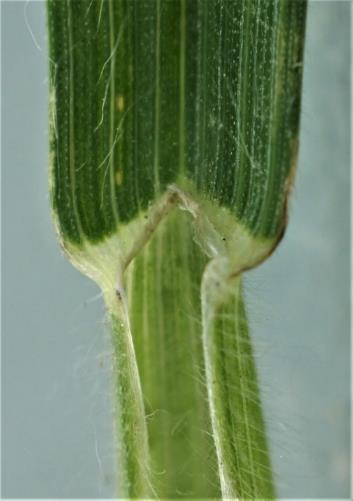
pixel 56 417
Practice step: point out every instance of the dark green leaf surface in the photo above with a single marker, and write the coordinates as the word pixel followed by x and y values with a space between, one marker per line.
pixel 150 92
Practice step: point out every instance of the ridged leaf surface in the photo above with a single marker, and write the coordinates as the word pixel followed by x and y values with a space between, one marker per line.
pixel 152 92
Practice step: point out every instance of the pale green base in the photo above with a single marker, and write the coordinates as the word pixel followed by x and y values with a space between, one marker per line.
pixel 188 413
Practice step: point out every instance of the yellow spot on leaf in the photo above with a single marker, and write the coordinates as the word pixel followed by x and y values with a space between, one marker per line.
pixel 119 177
pixel 120 103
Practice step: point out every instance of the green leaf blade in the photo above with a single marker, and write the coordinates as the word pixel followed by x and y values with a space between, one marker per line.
pixel 156 91
pixel 156 106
